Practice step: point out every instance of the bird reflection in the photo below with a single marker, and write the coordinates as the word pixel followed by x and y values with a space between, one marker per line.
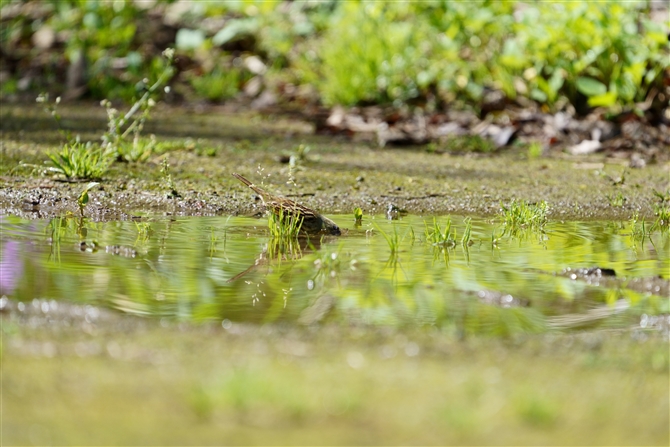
pixel 279 250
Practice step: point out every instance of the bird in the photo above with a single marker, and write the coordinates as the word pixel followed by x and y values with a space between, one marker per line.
pixel 312 222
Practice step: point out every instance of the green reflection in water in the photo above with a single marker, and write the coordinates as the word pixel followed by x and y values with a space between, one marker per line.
pixel 228 268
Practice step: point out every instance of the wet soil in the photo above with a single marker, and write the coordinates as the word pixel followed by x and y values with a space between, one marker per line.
pixel 336 175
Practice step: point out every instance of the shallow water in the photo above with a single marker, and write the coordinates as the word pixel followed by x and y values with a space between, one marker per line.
pixel 227 269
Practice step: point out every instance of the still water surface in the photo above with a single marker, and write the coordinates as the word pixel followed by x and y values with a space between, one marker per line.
pixel 574 275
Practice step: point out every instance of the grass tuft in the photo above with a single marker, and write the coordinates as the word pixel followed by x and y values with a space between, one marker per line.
pixel 467 233
pixel 78 161
pixel 662 221
pixel 393 239
pixel 438 236
pixel 521 215
pixel 284 225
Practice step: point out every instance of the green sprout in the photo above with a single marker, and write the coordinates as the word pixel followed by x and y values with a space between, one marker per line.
pixel 618 200
pixel 167 178
pixel 438 236
pixel 83 198
pixel 284 224
pixel 535 149
pixel 358 216
pixel 392 239
pixel 520 215
pixel 662 221
pixel 465 240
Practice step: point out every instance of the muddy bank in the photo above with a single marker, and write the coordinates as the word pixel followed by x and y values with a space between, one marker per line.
pixel 335 175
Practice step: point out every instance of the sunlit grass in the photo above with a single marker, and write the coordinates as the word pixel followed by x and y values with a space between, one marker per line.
pixel 467 233
pixel 79 161
pixel 167 177
pixel 617 200
pixel 392 239
pixel 520 215
pixel 137 150
pixel 143 230
pixel 662 221
pixel 535 150
pixel 358 216
pixel 437 235
pixel 284 225
pixel 88 161
pixel 218 85
pixel 83 198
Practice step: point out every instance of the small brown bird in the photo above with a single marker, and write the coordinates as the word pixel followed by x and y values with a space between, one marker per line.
pixel 312 222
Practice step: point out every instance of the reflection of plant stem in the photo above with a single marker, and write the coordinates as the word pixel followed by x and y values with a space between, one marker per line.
pixel 444 250
pixel 212 243
pixel 81 231
pixel 55 226
pixel 466 251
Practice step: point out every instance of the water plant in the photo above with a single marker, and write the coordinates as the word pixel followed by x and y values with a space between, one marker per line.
pixel 143 231
pixel 638 232
pixel 467 233
pixel 56 230
pixel 521 215
pixel 393 239
pixel 284 224
pixel 438 236
pixel 662 221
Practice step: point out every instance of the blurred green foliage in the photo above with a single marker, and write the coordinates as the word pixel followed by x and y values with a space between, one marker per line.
pixel 607 53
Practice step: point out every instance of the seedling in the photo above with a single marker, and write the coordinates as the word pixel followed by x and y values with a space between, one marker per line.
pixel 438 236
pixel 465 240
pixel 284 225
pixel 662 221
pixel 520 215
pixel 662 197
pixel 358 216
pixel 393 239
pixel 167 178
pixel 82 200
pixel 79 161
pixel 143 231
pixel 618 200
